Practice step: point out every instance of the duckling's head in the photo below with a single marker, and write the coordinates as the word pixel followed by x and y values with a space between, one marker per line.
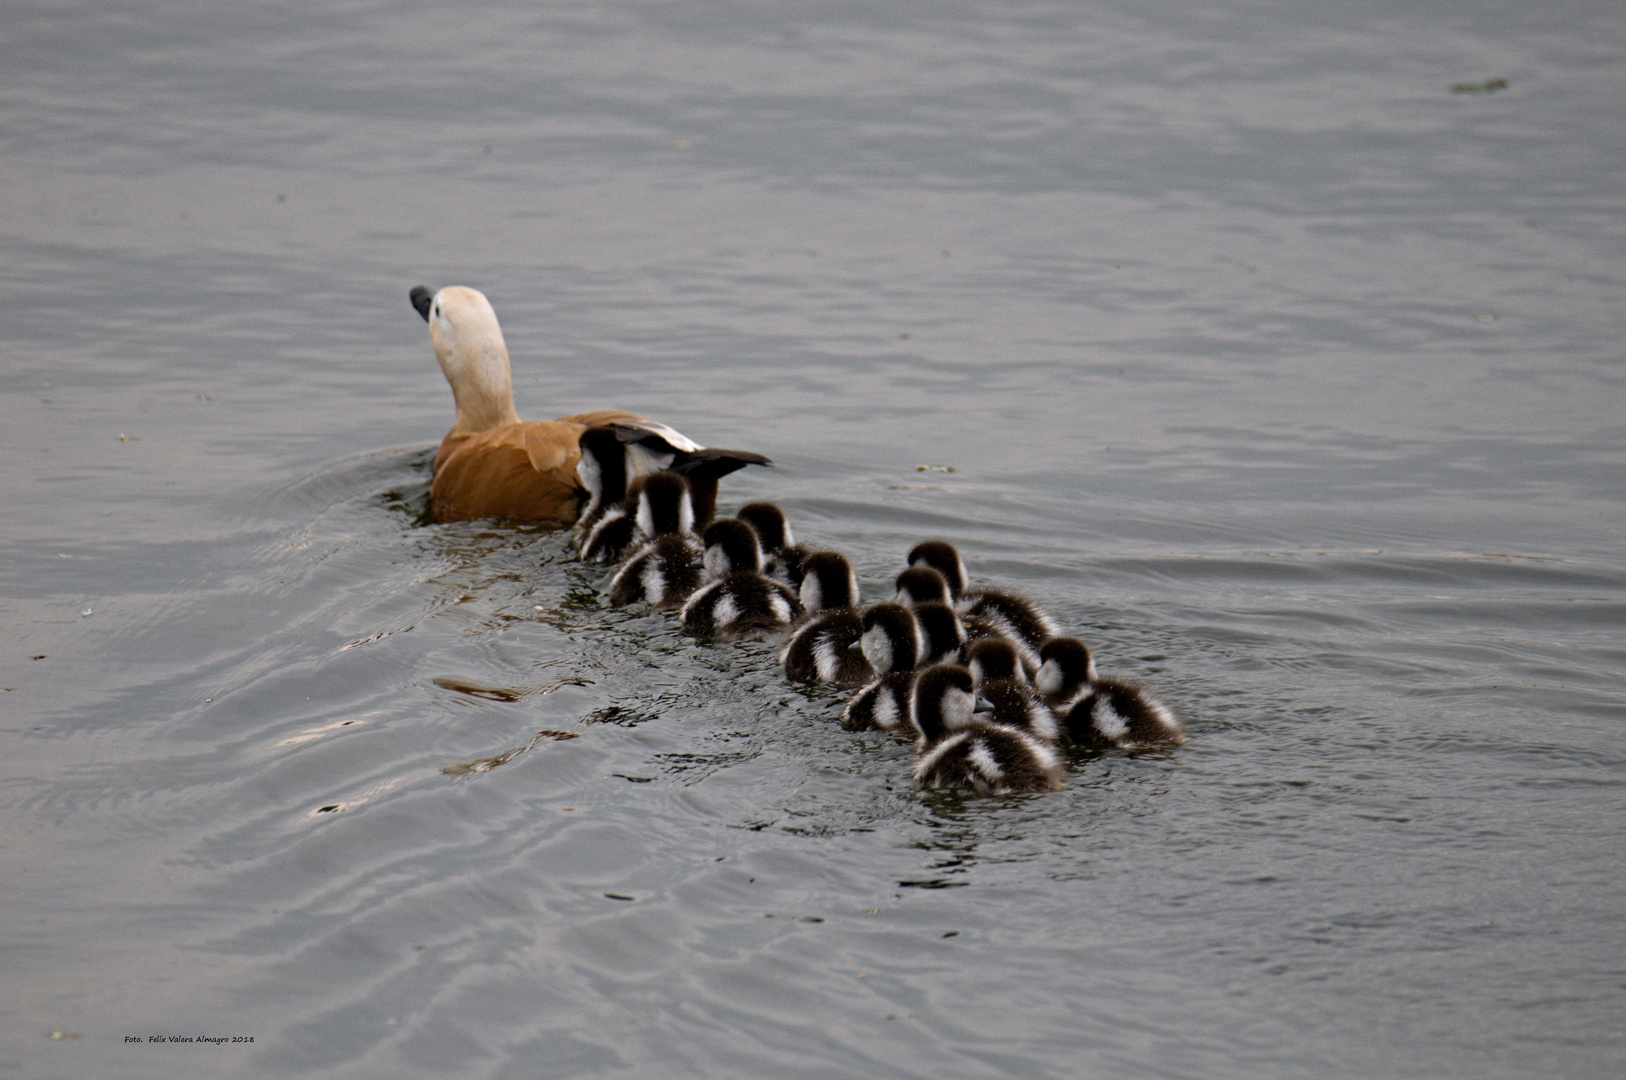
pixel 769 522
pixel 1065 665
pixel 731 545
pixel 993 658
pixel 941 634
pixel 943 557
pixel 602 469
pixel 664 505
pixel 944 701
pixel 468 342
pixel 891 640
pixel 921 584
pixel 828 582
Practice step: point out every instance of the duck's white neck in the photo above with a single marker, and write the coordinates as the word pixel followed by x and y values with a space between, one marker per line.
pixel 481 384
pixel 469 345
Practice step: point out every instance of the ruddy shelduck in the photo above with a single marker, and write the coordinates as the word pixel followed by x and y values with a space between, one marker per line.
pixel 492 464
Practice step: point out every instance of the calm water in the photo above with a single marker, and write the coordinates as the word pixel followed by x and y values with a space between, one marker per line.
pixel 1289 378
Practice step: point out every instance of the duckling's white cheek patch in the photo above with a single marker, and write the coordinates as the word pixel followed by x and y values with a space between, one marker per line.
pixel 976 672
pixel 812 594
pixel 877 648
pixel 715 562
pixel 957 708
pixel 1049 678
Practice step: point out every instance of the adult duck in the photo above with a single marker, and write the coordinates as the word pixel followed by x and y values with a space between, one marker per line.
pixel 492 464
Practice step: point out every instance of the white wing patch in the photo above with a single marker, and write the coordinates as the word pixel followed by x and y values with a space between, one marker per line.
pixel 886 709
pixel 1042 722
pixel 726 610
pixel 673 436
pixel 641 461
pixel 825 659
pixel 596 536
pixel 696 602
pixel 1163 715
pixel 982 759
pixel 930 759
pixel 653 581
pixel 1107 720
pixel 1044 755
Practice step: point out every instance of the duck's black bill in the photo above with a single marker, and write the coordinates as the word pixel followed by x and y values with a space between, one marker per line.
pixel 422 297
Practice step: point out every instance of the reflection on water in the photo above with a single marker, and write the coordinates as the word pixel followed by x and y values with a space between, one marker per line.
pixel 1284 375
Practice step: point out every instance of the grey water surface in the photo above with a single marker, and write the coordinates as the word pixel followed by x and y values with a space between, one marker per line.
pixel 1286 375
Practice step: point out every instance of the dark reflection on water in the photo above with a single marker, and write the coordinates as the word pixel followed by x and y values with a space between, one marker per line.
pixel 1285 376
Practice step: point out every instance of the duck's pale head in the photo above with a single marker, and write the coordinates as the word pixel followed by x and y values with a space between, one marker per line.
pixel 468 342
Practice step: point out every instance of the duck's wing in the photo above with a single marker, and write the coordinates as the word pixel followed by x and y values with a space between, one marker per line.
pixel 713 462
pixel 653 434
pixel 662 447
pixel 704 467
pixel 605 418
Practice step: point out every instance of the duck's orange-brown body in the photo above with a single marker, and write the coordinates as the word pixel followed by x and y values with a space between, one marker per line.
pixel 525 471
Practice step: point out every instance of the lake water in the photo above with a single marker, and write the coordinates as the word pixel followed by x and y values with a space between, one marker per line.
pixel 1288 377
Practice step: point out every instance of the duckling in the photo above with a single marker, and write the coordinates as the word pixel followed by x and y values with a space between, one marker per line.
pixel 1065 667
pixel 997 678
pixel 662 571
pixel 1017 617
pixel 731 545
pixel 891 644
pixel 783 558
pixel 941 636
pixel 607 525
pixel 490 464
pixel 925 585
pixel 738 601
pixel 922 584
pixel 825 647
pixel 955 750
pixel 1109 713
pixel 891 640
